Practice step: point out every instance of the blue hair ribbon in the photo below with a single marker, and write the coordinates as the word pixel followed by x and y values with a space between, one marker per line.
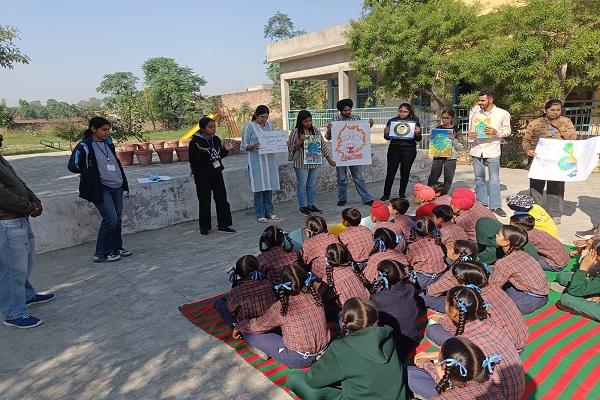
pixel 380 244
pixel 231 274
pixel 465 258
pixel 453 362
pixel 474 287
pixel 486 305
pixel 521 212
pixel 490 361
pixel 462 306
pixel 310 279
pixel 399 238
pixel 487 267
pixel 256 275
pixel 381 277
pixel 413 274
pixel 285 285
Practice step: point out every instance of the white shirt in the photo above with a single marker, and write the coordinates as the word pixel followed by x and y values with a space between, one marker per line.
pixel 499 119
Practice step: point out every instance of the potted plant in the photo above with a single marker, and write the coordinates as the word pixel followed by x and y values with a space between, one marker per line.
pixel 182 153
pixel 165 155
pixel 184 142
pixel 172 143
pixel 158 144
pixel 144 145
pixel 130 147
pixel 125 156
pixel 144 156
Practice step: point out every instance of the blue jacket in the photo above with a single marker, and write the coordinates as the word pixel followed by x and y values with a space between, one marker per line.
pixel 83 162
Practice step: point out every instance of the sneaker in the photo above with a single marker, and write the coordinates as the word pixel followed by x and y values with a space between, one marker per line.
pixel 305 211
pixel 315 209
pixel 41 298
pixel 368 203
pixel 24 322
pixel 261 354
pixel 108 258
pixel 384 198
pixel 556 220
pixel 499 212
pixel 341 203
pixel 204 231
pixel 557 287
pixel 122 252
pixel 225 229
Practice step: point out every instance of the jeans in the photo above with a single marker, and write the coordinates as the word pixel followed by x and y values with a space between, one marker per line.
pixel 111 210
pixel 306 179
pixel 359 183
pixel 439 164
pixel 263 203
pixel 17 250
pixel 402 157
pixel 487 193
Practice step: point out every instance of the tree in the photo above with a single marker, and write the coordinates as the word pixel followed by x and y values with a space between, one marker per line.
pixel 210 104
pixel 124 102
pixel 69 131
pixel 175 90
pixel 7 115
pixel 60 109
pixel 279 27
pixel 9 53
pixel 243 113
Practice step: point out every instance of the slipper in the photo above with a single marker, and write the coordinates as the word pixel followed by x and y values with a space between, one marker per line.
pixel 274 217
pixel 263 220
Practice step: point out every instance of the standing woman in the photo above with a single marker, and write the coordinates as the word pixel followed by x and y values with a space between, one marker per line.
pixel 401 152
pixel 551 125
pixel 307 171
pixel 264 172
pixel 447 164
pixel 102 182
pixel 206 152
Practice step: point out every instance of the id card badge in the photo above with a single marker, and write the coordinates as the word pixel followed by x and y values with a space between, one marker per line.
pixel 111 167
pixel 217 164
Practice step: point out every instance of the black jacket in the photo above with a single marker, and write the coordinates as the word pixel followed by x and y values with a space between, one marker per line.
pixel 83 162
pixel 200 161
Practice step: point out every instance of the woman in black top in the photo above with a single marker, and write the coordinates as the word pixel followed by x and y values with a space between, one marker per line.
pixel 401 152
pixel 205 154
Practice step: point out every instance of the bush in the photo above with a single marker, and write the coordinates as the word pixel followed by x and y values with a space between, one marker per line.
pixel 70 131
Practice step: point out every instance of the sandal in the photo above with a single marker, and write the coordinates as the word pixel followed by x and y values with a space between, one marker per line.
pixel 274 217
pixel 263 220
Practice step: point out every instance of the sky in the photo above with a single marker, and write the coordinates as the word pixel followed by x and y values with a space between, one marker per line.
pixel 72 44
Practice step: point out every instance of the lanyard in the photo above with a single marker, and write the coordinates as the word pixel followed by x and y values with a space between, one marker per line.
pixel 551 128
pixel 106 150
pixel 212 150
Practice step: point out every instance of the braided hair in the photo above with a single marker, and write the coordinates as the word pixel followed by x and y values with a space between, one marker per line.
pixel 465 250
pixel 400 205
pixel 357 314
pixel 337 255
pixel 246 267
pixel 352 216
pixel 516 237
pixel 425 228
pixel 315 225
pixel 469 304
pixel 465 354
pixel 383 239
pixel 393 271
pixel 525 221
pixel 295 278
pixel 470 273
pixel 273 237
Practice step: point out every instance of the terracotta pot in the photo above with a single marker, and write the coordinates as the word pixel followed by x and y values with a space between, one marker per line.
pixel 158 145
pixel 182 153
pixel 126 157
pixel 130 147
pixel 144 156
pixel 144 145
pixel 235 146
pixel 165 155
pixel 172 143
pixel 185 143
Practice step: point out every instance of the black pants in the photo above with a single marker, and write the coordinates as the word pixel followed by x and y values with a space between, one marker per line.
pixel 212 182
pixel 403 157
pixel 555 194
pixel 439 163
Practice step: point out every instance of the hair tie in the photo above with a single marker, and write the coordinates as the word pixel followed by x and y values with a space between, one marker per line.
pixel 465 258
pixel 486 305
pixel 487 268
pixel 453 362
pixel 286 285
pixel 413 274
pixel 310 279
pixel 381 277
pixel 490 361
pixel 399 238
pixel 474 287
pixel 462 306
pixel 380 244
pixel 256 275
pixel 436 232
pixel 232 274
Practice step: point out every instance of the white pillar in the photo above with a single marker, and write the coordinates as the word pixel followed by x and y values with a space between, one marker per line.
pixel 343 85
pixel 285 102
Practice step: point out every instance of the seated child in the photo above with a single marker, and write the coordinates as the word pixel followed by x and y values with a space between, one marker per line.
pixel 553 255
pixel 301 318
pixel 317 240
pixel 519 274
pixel 441 194
pixel 524 204
pixel 357 238
pixel 423 197
pixel 394 298
pixel 363 364
pixel 467 211
pixel 425 254
pixel 380 217
pixel 450 232
pixel 387 246
pixel 276 253
pixel 487 229
pixel 402 222
pixel 250 295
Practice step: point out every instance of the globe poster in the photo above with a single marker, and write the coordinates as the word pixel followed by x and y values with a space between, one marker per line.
pixel 440 144
pixel 564 160
pixel 312 150
pixel 402 130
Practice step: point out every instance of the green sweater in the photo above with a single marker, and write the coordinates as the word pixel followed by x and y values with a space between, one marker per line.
pixel 365 364
pixel 581 286
pixel 486 230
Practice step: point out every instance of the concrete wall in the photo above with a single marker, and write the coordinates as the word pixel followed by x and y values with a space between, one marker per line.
pixel 253 97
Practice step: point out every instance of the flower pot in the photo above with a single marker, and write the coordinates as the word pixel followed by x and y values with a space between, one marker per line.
pixel 144 157
pixel 185 143
pixel 235 146
pixel 158 145
pixel 172 143
pixel 126 157
pixel 130 147
pixel 144 145
pixel 165 155
pixel 182 153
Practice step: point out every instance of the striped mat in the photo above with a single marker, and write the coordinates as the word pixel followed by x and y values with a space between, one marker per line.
pixel 561 360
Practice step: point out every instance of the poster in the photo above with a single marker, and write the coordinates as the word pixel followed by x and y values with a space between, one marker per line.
pixel 479 124
pixel 402 130
pixel 272 142
pixel 312 150
pixel 351 142
pixel 440 144
pixel 565 160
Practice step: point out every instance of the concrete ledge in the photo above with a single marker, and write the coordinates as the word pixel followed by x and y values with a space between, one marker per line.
pixel 70 221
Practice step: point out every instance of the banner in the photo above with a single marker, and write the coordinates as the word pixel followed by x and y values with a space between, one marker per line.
pixel 564 160
pixel 272 142
pixel 440 144
pixel 312 150
pixel 351 142
pixel 402 130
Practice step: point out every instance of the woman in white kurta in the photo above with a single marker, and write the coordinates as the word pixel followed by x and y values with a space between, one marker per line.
pixel 263 169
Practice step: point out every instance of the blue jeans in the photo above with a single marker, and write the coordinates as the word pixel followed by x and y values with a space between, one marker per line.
pixel 263 203
pixel 487 193
pixel 17 250
pixel 359 183
pixel 306 179
pixel 111 210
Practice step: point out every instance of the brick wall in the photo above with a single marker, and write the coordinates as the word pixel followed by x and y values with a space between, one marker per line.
pixel 254 98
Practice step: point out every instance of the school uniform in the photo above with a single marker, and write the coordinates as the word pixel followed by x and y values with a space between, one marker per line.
pixel 504 313
pixel 468 218
pixel 359 241
pixel 248 299
pixel 304 332
pixel 403 224
pixel 348 285
pixel 523 279
pixel 489 251
pixel 313 252
pixel 450 233
pixel 273 261
pixel 443 200
pixel 579 287
pixel 553 255
pixel 370 271
pixel 434 295
pixel 426 258
pixel 205 157
pixel 471 390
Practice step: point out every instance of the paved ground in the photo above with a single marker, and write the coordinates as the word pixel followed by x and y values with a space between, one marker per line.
pixel 114 331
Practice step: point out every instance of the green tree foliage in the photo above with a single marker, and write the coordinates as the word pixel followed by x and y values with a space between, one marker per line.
pixel 124 103
pixel 10 54
pixel 243 114
pixel 33 109
pixel 175 90
pixel 69 131
pixel 7 115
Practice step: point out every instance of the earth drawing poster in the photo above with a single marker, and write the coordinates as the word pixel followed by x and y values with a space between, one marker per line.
pixel 351 142
pixel 440 144
pixel 565 160
pixel 479 125
pixel 402 130
pixel 312 150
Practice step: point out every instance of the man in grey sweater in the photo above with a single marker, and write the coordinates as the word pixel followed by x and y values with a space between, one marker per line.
pixel 17 249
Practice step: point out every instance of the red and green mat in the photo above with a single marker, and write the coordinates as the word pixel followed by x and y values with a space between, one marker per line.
pixel 561 360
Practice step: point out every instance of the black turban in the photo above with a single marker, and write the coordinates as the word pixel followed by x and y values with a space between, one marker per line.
pixel 343 103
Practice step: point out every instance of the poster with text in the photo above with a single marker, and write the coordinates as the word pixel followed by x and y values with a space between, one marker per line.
pixel 312 150
pixel 440 144
pixel 564 160
pixel 351 142
pixel 402 130
pixel 272 142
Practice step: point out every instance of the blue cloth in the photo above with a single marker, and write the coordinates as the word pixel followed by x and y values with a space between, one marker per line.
pixel 525 301
pixel 306 179
pixel 359 183
pixel 263 204
pixel 435 303
pixel 421 383
pixel 263 169
pixel 111 210
pixel 221 308
pixel 272 345
pixel 488 193
pixel 17 251
pixel 437 334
